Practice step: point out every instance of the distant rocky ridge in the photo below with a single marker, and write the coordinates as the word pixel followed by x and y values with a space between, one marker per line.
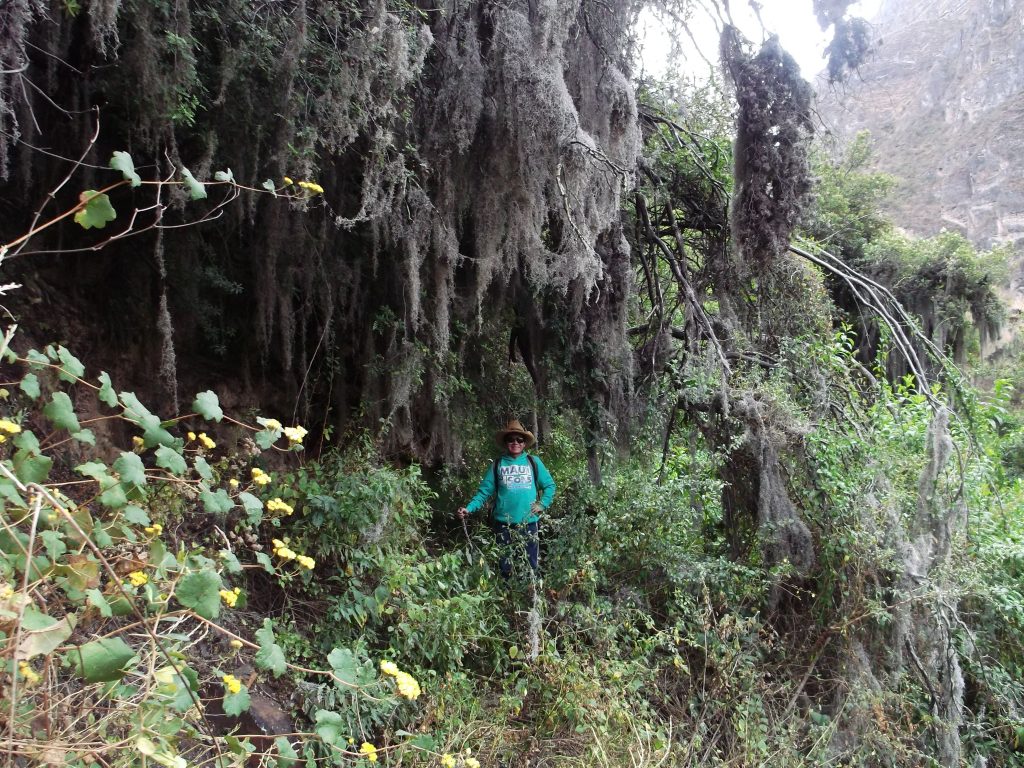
pixel 943 97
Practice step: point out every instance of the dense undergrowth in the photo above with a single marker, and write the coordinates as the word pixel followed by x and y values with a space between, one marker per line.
pixel 192 565
pixel 769 546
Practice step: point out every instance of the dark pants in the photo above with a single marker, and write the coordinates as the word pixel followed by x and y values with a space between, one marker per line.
pixel 513 542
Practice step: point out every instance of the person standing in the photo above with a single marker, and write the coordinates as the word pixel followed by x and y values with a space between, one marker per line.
pixel 515 480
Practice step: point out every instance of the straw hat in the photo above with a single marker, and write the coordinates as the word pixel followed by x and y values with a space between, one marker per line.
pixel 514 428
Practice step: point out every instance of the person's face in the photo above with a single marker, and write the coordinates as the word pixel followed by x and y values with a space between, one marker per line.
pixel 515 444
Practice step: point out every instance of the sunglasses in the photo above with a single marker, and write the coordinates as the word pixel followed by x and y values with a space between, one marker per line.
pixel 515 440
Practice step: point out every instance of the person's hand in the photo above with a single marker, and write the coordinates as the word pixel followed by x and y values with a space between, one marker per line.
pixel 536 508
pixel 461 512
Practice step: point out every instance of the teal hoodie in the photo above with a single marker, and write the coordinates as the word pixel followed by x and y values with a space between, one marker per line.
pixel 516 490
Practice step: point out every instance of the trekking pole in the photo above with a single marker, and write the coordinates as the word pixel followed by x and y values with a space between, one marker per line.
pixel 469 541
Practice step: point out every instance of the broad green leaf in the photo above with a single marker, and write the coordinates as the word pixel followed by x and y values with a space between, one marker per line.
pixel 35 620
pixel 101 660
pixel 267 437
pixel 159 436
pixel 114 497
pixel 99 533
pixel 122 161
pixel 36 359
pixel 30 385
pixel 345 665
pixel 270 187
pixel 200 592
pixel 253 508
pixel 240 746
pixel 423 741
pixel 45 640
pixel 27 440
pixel 54 543
pixel 207 405
pixel 330 726
pixel 137 412
pixel 286 754
pixel 153 430
pixel 188 684
pixel 85 436
pixel 97 599
pixel 218 503
pixel 135 515
pixel 264 559
pixel 96 210
pixel 71 368
pixel 171 460
pixel 195 188
pixel 30 467
pixel 106 393
pixel 237 703
pixel 224 175
pixel 9 492
pixel 202 467
pixel 97 470
pixel 131 469
pixel 231 564
pixel 270 655
pixel 61 412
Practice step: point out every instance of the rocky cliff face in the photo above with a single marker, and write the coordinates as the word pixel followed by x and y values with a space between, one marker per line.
pixel 943 97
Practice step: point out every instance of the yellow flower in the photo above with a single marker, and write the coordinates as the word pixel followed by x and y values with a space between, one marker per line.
pixel 230 596
pixel 407 685
pixel 388 667
pixel 9 427
pixel 472 762
pixel 259 476
pixel 306 562
pixel 366 748
pixel 30 675
pixel 137 578
pixel 272 424
pixel 295 434
pixel 138 443
pixel 288 182
pixel 447 761
pixel 155 529
pixel 312 187
pixel 278 505
pixel 232 683
pixel 206 441
pixel 277 543
pixel 351 740
pixel 191 436
pixel 236 644
pixel 285 553
pixel 233 483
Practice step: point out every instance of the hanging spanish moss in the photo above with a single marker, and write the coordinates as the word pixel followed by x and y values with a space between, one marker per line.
pixel 473 160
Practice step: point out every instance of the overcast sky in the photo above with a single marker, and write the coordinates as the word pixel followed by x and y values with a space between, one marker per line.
pixel 792 20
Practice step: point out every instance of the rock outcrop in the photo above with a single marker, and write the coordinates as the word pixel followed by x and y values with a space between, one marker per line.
pixel 943 97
